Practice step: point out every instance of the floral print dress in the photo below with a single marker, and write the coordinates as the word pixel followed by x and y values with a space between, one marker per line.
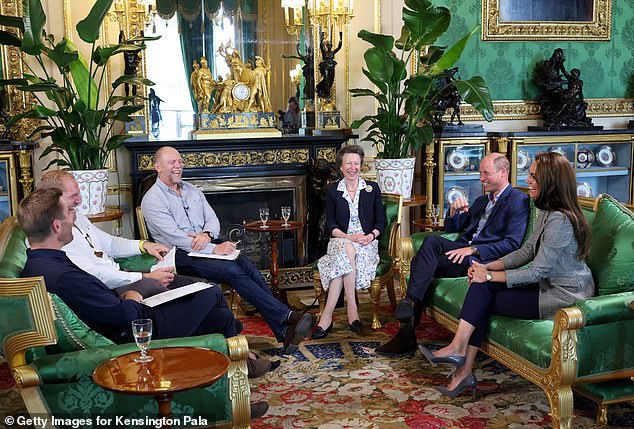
pixel 336 263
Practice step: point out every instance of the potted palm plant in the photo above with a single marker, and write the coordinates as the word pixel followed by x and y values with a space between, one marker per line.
pixel 407 102
pixel 78 111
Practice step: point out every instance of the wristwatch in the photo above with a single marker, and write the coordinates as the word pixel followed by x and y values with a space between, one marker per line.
pixel 475 251
pixel 211 236
pixel 489 277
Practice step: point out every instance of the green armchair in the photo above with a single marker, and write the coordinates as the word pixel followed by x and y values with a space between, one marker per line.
pixel 52 355
pixel 588 346
pixel 393 205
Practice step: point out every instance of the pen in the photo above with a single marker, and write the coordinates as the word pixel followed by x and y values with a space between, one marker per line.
pixel 237 242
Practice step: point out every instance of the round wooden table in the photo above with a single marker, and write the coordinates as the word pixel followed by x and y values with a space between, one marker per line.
pixel 111 213
pixel 173 369
pixel 429 225
pixel 274 227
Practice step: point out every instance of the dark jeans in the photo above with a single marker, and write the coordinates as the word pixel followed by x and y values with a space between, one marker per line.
pixel 430 262
pixel 485 299
pixel 243 276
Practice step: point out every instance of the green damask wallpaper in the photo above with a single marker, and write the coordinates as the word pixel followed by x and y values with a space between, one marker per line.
pixel 607 68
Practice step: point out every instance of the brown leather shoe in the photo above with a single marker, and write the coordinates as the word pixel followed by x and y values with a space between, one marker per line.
pixel 296 332
pixel 403 342
pixel 258 367
pixel 259 409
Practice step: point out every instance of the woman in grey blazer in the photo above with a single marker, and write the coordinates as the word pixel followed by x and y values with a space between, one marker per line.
pixel 556 278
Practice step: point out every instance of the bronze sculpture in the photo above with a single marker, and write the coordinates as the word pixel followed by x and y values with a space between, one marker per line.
pixel 561 100
pixel 449 98
pixel 327 66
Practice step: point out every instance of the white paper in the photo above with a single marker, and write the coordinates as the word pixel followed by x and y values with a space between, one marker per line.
pixel 229 257
pixel 169 260
pixel 172 294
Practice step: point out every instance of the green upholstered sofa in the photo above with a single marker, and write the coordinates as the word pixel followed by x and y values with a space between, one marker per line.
pixel 588 347
pixel 52 355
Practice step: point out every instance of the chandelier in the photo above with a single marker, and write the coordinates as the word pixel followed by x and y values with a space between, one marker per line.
pixel 330 14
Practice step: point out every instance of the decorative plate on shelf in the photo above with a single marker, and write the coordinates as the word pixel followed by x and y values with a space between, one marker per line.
pixel 454 193
pixel 585 157
pixel 457 160
pixel 523 160
pixel 606 157
pixel 584 190
pixel 557 149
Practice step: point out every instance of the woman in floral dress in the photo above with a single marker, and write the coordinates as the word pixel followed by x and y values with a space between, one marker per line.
pixel 354 219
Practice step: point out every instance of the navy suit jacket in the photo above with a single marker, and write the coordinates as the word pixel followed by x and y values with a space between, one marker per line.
pixel 371 211
pixel 504 230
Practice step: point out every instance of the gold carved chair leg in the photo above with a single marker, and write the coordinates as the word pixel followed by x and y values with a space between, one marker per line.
pixel 320 293
pixel 375 298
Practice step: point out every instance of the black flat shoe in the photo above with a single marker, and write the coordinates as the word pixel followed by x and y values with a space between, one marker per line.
pixel 469 382
pixel 320 333
pixel 457 361
pixel 356 326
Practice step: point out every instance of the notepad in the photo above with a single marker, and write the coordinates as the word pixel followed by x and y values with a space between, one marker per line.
pixel 172 294
pixel 229 257
pixel 169 260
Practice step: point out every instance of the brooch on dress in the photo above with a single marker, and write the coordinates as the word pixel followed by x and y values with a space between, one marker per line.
pixel 368 188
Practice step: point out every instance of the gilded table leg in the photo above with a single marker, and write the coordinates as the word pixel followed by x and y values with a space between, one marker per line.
pixel 165 408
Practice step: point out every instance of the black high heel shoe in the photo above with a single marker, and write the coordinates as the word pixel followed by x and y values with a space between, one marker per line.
pixel 356 326
pixel 458 361
pixel 470 381
pixel 320 333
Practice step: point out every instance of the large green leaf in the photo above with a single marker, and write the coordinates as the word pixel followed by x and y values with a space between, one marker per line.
pixel 475 92
pixel 60 56
pixel 84 83
pixel 34 19
pixel 380 66
pixel 88 28
pixel 380 41
pixel 133 80
pixel 452 54
pixel 425 21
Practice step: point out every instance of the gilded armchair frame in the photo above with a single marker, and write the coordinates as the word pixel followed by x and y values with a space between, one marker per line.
pixel 378 283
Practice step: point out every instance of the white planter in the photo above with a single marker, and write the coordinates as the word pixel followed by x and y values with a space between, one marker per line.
pixel 93 186
pixel 395 176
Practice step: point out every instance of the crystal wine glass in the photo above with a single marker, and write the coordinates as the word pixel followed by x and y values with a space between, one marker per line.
pixel 435 213
pixel 286 214
pixel 264 217
pixel 142 331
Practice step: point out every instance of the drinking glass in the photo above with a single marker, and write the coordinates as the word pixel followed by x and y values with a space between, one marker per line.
pixel 142 331
pixel 435 213
pixel 286 214
pixel 264 216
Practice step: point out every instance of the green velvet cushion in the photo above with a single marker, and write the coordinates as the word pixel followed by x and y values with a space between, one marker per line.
pixel 608 391
pixel 391 212
pixel 385 264
pixel 139 263
pixel 72 333
pixel 14 257
pixel 605 309
pixel 612 252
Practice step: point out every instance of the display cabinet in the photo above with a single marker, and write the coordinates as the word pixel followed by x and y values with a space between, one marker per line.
pixel 16 177
pixel 602 161
pixel 458 167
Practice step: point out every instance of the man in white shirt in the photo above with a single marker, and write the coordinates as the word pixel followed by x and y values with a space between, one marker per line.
pixel 94 250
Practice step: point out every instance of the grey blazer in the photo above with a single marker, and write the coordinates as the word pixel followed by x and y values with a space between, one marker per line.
pixel 562 277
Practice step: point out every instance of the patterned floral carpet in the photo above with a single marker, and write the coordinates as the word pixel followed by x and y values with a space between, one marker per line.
pixel 339 382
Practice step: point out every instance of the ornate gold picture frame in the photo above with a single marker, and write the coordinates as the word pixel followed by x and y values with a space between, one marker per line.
pixel 497 26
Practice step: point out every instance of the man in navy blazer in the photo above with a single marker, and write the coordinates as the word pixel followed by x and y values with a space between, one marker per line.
pixel 493 226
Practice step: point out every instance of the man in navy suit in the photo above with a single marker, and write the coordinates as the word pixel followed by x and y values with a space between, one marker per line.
pixel 493 226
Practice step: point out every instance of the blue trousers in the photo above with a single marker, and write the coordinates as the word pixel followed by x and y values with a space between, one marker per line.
pixel 485 299
pixel 243 276
pixel 200 313
pixel 430 262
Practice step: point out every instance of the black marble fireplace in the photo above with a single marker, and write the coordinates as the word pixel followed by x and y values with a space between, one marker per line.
pixel 240 175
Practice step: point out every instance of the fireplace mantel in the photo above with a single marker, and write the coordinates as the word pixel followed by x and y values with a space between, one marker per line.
pixel 242 157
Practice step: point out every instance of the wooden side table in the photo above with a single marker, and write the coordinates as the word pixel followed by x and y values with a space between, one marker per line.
pixel 274 227
pixel 428 224
pixel 173 369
